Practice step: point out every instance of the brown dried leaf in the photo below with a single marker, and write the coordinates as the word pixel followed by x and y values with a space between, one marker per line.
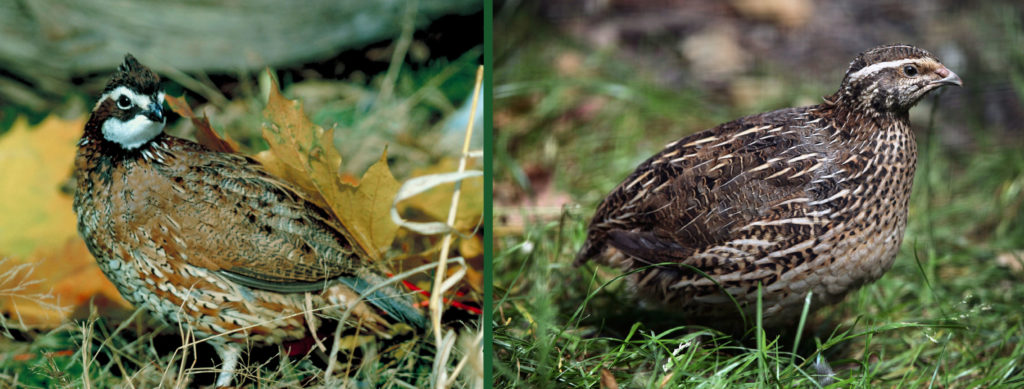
pixel 475 280
pixel 205 134
pixel 42 291
pixel 471 247
pixel 46 269
pixel 290 173
pixel 608 380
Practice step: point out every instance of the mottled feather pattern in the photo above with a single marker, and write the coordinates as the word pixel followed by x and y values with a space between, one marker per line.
pixel 797 200
pixel 211 241
pixel 182 206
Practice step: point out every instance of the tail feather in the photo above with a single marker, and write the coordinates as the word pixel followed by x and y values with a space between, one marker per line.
pixel 592 247
pixel 386 298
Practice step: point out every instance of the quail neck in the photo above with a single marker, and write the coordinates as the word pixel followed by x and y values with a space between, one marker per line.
pixel 797 200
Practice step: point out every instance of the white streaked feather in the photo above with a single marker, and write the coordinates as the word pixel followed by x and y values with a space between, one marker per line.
pixel 882 65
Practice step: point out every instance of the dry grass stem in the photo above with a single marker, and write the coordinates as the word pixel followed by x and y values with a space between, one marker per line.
pixel 445 342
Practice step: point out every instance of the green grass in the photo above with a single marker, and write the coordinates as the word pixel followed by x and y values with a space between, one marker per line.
pixel 946 315
pixel 102 353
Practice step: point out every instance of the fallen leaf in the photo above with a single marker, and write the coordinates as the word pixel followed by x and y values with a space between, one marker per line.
pixel 786 13
pixel 205 134
pixel 83 278
pixel 292 174
pixel 475 279
pixel 415 186
pixel 436 202
pixel 42 290
pixel 368 205
pixel 46 270
pixel 608 380
pixel 33 165
pixel 306 149
pixel 348 178
pixel 472 246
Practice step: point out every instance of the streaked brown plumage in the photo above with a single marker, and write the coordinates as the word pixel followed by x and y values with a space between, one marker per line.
pixel 799 200
pixel 210 240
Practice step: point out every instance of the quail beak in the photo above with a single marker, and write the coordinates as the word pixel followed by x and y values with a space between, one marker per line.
pixel 155 112
pixel 948 78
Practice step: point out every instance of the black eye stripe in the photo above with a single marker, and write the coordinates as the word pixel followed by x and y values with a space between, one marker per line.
pixel 124 114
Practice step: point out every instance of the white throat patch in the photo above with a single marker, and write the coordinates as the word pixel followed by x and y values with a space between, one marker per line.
pixel 133 133
pixel 140 129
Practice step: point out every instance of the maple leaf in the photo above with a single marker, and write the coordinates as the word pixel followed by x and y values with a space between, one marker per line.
pixel 369 204
pixel 33 165
pixel 304 152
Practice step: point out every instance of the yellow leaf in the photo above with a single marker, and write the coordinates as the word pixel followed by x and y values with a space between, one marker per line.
pixel 299 146
pixel 291 174
pixel 33 165
pixel 373 198
pixel 471 246
pixel 435 203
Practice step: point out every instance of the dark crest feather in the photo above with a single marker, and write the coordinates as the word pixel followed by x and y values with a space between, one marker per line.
pixel 135 76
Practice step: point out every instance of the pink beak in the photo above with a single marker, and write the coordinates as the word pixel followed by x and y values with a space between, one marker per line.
pixel 948 77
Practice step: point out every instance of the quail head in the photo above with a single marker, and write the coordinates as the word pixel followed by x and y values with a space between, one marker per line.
pixel 210 241
pixel 798 200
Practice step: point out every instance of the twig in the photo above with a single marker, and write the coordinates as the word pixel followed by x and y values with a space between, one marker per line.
pixel 401 48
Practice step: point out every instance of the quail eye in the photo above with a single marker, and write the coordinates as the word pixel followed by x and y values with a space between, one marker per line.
pixel 910 70
pixel 123 102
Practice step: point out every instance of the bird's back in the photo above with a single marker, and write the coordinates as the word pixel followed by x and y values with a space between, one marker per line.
pixel 791 195
pixel 184 217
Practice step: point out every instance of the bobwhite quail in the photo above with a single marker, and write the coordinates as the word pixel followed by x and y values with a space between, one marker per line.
pixel 210 240
pixel 810 199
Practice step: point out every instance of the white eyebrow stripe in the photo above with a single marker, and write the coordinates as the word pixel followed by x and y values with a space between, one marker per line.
pixel 141 101
pixel 882 65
